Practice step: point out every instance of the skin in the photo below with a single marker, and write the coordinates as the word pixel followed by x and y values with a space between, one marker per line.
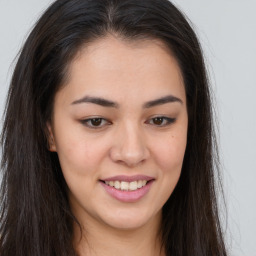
pixel 128 141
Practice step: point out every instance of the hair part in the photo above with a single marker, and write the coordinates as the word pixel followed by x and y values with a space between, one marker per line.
pixel 36 218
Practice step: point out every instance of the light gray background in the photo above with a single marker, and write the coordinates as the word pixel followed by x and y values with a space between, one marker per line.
pixel 227 30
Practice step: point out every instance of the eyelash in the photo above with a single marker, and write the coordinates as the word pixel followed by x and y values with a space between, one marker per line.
pixel 167 120
pixel 85 122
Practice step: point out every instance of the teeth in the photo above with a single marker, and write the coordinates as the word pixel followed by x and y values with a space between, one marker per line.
pixel 117 184
pixel 133 185
pixel 123 185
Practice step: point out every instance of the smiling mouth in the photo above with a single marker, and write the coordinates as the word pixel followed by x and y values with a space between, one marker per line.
pixel 127 186
pixel 127 189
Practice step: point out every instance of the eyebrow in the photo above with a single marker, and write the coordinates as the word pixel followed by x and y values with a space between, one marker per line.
pixel 107 103
pixel 161 101
pixel 96 100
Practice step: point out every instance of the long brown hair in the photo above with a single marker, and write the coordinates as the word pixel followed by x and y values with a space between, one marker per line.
pixel 35 214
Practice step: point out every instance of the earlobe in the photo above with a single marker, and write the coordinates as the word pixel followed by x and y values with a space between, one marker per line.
pixel 50 138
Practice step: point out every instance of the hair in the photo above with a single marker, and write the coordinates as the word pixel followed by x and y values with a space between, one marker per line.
pixel 35 217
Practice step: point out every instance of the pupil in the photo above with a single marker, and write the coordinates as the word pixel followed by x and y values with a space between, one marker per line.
pixel 96 121
pixel 158 120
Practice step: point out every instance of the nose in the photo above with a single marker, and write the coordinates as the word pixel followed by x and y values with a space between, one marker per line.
pixel 130 146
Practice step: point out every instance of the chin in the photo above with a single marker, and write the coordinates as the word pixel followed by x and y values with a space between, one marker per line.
pixel 130 221
pixel 126 225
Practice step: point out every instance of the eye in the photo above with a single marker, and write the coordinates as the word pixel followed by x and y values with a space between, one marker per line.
pixel 161 121
pixel 95 123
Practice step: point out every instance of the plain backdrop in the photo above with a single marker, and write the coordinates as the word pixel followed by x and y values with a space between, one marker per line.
pixel 227 31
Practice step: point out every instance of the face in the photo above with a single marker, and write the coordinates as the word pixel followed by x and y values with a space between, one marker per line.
pixel 119 128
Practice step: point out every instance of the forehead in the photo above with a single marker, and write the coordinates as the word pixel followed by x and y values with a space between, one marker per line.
pixel 111 67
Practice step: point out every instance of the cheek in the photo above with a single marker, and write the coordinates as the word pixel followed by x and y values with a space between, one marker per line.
pixel 80 161
pixel 170 153
pixel 79 154
pixel 168 157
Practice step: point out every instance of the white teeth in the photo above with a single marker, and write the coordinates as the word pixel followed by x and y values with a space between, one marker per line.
pixel 133 185
pixel 123 185
pixel 139 184
pixel 117 185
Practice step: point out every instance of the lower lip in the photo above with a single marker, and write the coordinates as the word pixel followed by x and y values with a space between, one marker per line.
pixel 127 196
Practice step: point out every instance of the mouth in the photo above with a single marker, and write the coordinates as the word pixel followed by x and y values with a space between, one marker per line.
pixel 127 186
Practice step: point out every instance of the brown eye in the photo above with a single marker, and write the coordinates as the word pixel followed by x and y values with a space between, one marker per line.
pixel 161 121
pixel 158 120
pixel 95 123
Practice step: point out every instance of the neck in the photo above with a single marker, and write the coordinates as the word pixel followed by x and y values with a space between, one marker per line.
pixel 105 240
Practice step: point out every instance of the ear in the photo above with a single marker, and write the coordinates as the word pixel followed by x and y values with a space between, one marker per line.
pixel 50 138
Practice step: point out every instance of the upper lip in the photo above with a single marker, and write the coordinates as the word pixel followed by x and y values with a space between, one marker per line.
pixel 128 178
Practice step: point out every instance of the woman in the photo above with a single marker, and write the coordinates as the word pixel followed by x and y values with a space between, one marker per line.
pixel 108 141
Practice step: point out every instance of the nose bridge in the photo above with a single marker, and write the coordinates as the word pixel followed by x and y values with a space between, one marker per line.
pixel 130 146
